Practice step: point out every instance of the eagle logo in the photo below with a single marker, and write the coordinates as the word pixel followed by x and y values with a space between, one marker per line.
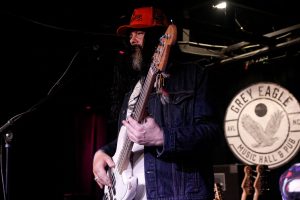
pixel 263 137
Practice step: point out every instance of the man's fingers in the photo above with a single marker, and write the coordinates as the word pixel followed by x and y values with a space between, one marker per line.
pixel 110 162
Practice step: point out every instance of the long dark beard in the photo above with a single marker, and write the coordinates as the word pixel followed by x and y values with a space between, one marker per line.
pixel 137 58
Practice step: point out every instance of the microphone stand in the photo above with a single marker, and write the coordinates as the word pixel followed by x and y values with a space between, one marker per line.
pixel 8 137
pixel 5 129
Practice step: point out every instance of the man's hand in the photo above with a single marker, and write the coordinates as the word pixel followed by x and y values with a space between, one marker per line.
pixel 101 160
pixel 147 133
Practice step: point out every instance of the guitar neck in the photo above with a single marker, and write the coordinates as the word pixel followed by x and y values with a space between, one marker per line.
pixel 138 115
pixel 139 111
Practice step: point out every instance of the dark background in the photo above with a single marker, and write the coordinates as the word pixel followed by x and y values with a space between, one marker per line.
pixel 75 45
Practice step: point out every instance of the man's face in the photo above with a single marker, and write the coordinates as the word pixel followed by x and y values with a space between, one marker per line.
pixel 136 37
pixel 137 41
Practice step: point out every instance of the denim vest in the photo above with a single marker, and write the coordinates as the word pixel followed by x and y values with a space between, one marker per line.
pixel 182 168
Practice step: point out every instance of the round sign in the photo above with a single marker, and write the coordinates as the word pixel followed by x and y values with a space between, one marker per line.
pixel 262 125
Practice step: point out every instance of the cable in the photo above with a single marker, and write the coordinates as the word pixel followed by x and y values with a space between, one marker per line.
pixel 58 81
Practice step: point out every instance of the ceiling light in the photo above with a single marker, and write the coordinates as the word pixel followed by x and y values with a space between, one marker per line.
pixel 221 5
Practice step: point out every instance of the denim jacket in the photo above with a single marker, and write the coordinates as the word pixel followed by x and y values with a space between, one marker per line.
pixel 182 168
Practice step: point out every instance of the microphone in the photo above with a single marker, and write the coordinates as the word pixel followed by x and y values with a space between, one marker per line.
pixel 7 125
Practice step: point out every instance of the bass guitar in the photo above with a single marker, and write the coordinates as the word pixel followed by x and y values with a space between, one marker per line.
pixel 124 183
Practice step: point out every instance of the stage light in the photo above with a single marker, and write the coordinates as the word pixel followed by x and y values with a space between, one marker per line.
pixel 221 5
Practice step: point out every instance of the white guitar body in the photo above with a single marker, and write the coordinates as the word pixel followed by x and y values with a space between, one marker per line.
pixel 124 183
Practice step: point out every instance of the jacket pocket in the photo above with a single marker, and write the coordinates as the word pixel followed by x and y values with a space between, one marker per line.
pixel 179 111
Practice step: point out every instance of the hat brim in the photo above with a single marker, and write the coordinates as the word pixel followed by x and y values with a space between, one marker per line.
pixel 123 30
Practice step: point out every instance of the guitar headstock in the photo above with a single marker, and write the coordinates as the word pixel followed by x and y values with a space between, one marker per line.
pixel 171 34
pixel 218 191
pixel 261 181
pixel 247 183
pixel 160 57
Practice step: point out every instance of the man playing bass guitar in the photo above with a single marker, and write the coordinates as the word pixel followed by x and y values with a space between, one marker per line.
pixel 166 131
